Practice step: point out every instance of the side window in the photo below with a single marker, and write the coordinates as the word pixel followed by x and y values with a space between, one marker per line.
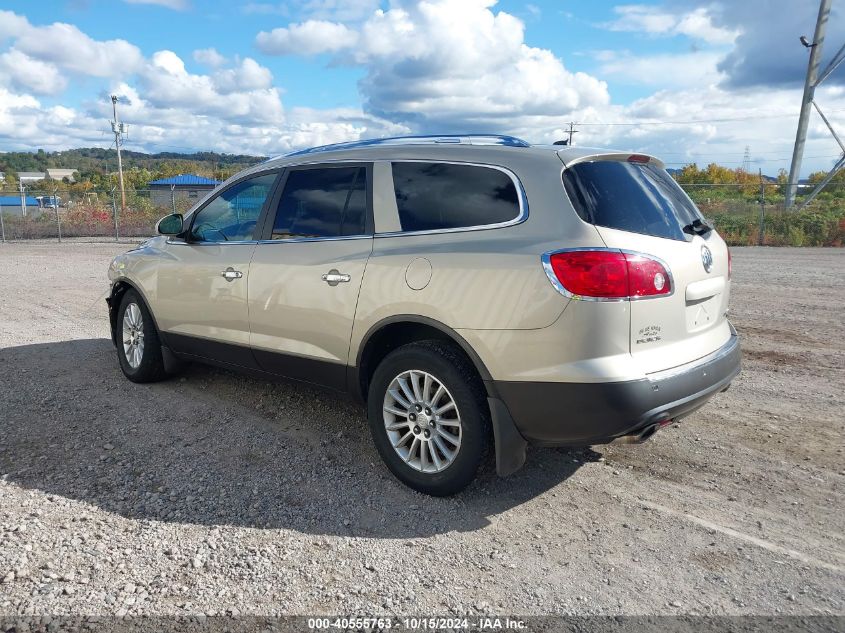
pixel 433 196
pixel 232 214
pixel 322 202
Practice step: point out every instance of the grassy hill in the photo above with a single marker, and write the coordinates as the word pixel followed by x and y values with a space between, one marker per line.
pixel 95 164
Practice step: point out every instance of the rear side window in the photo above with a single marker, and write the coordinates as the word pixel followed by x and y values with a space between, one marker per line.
pixel 634 197
pixel 433 196
pixel 322 202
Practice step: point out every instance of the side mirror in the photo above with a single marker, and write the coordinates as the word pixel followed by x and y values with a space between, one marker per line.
pixel 170 224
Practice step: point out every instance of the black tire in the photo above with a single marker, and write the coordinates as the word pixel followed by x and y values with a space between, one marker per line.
pixel 449 366
pixel 151 365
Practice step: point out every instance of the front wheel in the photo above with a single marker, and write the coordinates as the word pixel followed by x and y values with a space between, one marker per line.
pixel 429 417
pixel 138 345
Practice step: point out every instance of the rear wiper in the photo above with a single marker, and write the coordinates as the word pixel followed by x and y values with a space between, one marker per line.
pixel 697 227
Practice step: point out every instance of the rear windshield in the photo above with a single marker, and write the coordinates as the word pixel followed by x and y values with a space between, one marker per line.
pixel 635 197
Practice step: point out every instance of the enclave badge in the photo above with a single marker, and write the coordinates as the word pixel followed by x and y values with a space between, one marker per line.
pixel 706 258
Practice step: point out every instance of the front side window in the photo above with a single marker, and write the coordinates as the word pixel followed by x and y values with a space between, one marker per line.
pixel 231 216
pixel 322 202
pixel 434 196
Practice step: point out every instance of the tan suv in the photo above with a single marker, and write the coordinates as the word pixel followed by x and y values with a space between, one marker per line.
pixel 474 292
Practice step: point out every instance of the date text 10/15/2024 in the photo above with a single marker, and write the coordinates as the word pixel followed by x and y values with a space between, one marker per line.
pixel 417 624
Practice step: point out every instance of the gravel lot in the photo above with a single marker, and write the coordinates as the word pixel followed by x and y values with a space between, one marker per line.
pixel 216 493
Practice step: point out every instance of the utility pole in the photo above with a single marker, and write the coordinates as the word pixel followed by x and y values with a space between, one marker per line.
pixel 118 129
pixel 810 84
pixel 55 202
pixel 572 131
pixel 762 232
pixel 114 215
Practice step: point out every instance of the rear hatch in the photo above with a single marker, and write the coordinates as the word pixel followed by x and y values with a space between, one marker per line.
pixel 637 206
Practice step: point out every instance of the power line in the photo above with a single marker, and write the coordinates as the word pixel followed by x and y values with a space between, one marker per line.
pixel 692 121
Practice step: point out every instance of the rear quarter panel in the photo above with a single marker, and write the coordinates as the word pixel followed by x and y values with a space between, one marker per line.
pixel 489 279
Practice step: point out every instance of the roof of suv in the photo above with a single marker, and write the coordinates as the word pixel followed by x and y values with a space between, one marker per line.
pixel 495 147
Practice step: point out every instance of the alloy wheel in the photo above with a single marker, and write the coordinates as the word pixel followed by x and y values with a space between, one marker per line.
pixel 422 421
pixel 133 335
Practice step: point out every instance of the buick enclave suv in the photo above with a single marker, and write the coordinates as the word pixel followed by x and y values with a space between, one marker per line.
pixel 473 292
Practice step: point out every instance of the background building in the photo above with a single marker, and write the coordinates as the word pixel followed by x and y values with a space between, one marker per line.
pixel 31 176
pixel 55 173
pixel 182 187
pixel 11 205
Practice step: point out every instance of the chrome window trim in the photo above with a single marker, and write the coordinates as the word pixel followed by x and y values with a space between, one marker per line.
pixel 224 243
pixel 546 259
pixel 334 238
pixel 520 192
pixel 284 241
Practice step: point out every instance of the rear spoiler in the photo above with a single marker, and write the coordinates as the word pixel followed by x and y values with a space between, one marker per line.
pixel 569 157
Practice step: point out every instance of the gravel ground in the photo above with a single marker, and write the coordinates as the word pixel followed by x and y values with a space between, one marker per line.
pixel 216 493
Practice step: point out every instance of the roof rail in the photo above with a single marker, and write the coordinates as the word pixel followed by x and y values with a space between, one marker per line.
pixel 465 139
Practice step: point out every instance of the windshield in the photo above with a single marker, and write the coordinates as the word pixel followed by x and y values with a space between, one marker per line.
pixel 636 197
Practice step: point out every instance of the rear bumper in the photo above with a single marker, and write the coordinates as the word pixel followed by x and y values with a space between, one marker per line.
pixel 594 413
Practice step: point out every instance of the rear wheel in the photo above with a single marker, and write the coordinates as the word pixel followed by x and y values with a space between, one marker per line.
pixel 428 417
pixel 138 345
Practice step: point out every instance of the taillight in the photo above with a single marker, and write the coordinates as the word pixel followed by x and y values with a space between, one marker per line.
pixel 729 264
pixel 608 274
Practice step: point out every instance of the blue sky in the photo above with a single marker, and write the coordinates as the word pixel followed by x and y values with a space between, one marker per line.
pixel 683 79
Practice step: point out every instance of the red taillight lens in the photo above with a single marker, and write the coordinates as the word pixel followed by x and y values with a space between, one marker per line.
pixel 610 274
pixel 729 264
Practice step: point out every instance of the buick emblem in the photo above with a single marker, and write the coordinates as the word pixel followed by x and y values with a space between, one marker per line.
pixel 706 258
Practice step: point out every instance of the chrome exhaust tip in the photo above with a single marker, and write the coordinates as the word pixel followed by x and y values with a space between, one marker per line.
pixel 642 436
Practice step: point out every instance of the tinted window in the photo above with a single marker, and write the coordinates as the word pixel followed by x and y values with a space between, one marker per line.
pixel 231 216
pixel 635 197
pixel 322 202
pixel 443 196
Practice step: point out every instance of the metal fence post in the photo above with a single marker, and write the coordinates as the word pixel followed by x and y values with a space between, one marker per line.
pixel 114 215
pixel 762 231
pixel 55 202
pixel 173 197
pixel 2 225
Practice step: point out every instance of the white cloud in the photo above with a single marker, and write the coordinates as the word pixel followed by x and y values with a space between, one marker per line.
pixel 70 49
pixel 697 24
pixel 23 72
pixel 177 5
pixel 444 64
pixel 209 57
pixel 695 69
pixel 167 84
pixel 248 75
pixel 11 24
pixel 306 38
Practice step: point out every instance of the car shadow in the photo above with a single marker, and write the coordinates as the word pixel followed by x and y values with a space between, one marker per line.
pixel 217 448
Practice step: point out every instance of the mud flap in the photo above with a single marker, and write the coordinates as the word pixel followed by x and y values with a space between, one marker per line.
pixel 510 445
pixel 172 365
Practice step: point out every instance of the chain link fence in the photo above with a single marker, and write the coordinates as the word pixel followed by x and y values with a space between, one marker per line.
pixel 755 215
pixel 62 213
pixel 745 215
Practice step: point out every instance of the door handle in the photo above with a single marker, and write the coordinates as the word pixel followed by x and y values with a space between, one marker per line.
pixel 230 274
pixel 333 277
